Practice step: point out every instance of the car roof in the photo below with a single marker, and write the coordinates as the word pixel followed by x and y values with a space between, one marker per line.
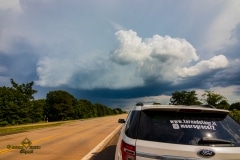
pixel 182 108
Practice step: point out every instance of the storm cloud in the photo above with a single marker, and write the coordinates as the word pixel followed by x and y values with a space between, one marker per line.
pixel 121 50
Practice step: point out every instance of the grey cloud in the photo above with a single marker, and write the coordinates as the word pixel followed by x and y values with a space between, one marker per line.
pixel 65 45
pixel 232 50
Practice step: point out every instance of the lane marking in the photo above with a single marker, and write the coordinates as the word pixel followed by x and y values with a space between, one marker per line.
pixel 61 134
pixel 4 151
pixel 102 143
pixel 40 140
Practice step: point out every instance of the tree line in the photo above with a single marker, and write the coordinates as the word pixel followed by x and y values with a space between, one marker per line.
pixel 18 106
pixel 208 98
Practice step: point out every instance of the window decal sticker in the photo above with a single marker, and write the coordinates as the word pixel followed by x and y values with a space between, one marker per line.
pixel 195 124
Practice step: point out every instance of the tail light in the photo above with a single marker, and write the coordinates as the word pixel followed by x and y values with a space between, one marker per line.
pixel 128 151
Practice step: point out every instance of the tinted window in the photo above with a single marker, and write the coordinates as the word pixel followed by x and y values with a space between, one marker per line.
pixel 132 124
pixel 188 128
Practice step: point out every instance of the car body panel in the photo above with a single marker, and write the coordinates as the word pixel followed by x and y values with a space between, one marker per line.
pixel 149 150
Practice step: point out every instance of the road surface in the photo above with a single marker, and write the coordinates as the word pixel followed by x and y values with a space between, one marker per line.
pixel 71 141
pixel 108 152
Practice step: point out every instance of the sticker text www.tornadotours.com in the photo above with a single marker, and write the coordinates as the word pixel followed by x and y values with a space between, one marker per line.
pixel 193 124
pixel 25 148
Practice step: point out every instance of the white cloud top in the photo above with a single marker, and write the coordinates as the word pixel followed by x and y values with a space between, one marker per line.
pixel 161 59
pixel 217 62
pixel 131 48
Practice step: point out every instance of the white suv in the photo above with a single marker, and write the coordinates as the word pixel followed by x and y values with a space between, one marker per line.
pixel 174 132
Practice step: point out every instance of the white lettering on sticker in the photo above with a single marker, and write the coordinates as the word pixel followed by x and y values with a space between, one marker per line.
pixel 195 124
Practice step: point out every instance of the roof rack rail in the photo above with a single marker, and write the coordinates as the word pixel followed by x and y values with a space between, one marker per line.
pixel 208 106
pixel 139 104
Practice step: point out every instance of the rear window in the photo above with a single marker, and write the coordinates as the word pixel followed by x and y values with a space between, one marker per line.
pixel 189 128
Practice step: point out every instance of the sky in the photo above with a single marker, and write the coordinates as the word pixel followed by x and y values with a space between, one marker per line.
pixel 119 52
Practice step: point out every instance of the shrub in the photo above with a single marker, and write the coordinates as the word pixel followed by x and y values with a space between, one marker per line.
pixel 3 123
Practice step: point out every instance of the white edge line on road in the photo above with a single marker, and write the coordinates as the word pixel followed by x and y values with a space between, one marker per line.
pixel 103 142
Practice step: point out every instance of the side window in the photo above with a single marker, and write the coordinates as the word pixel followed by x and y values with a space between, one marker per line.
pixel 129 120
pixel 132 124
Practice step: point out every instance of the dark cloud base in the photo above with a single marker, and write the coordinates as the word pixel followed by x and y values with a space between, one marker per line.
pixel 216 78
pixel 126 93
pixel 20 67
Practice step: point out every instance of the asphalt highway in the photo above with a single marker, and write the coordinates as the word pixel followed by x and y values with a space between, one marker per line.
pixel 71 141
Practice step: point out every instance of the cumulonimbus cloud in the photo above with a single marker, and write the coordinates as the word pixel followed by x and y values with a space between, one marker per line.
pixel 134 62
pixel 161 58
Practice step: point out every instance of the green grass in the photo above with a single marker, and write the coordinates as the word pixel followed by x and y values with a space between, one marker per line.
pixel 23 128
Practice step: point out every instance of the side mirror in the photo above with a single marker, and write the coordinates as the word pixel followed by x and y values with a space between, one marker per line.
pixel 121 121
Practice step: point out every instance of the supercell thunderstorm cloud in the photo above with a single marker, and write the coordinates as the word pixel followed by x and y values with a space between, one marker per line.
pixel 119 52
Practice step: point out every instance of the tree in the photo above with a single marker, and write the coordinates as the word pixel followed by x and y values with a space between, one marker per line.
pixel 85 108
pixel 100 109
pixel 215 99
pixel 235 114
pixel 8 107
pixel 25 89
pixel 37 110
pixel 118 111
pixel 235 106
pixel 15 103
pixel 60 105
pixel 223 105
pixel 184 98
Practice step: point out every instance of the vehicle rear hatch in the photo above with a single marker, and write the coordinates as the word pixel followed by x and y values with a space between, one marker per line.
pixel 187 133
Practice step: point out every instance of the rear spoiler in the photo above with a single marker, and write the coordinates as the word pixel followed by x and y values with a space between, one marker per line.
pixel 193 109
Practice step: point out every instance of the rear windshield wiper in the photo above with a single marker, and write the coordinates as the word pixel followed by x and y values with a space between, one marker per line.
pixel 215 142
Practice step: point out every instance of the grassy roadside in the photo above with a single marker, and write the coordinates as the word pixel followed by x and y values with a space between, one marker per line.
pixel 26 127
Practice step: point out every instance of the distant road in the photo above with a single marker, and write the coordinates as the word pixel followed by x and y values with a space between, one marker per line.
pixel 71 141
